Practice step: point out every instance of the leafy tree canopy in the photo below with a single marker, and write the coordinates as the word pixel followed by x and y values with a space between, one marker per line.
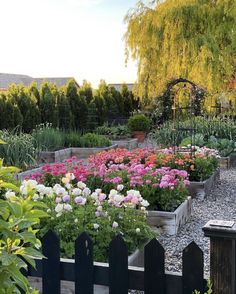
pixel 192 39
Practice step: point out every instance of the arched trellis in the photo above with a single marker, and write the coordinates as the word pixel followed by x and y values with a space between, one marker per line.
pixel 166 100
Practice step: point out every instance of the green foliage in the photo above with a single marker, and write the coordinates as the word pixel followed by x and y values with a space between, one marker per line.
pixel 209 289
pixel 139 122
pixel 48 138
pixel 19 244
pixel 217 127
pixel 114 132
pixel 203 168
pixel 19 149
pixel 198 141
pixel 64 112
pixel 72 139
pixel 193 39
pixel 47 105
pixel 224 146
pixel 94 140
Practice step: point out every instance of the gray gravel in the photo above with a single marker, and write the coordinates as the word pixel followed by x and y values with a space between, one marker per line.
pixel 220 204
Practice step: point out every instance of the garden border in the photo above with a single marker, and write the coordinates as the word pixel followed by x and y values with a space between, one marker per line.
pixel 202 189
pixel 170 222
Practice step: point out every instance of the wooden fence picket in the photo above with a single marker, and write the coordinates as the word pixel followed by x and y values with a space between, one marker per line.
pixel 118 266
pixel 83 265
pixel 193 269
pixel 154 268
pixel 51 264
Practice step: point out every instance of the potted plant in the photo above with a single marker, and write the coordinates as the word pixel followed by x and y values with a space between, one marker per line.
pixel 138 125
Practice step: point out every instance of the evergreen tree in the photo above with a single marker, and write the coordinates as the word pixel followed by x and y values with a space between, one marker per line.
pixel 192 39
pixel 64 112
pixel 47 105
pixel 86 91
pixel 78 106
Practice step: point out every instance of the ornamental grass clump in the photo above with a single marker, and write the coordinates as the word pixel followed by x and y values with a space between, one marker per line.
pixel 19 149
pixel 74 208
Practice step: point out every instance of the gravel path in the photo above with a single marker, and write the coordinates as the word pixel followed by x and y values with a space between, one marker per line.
pixel 220 204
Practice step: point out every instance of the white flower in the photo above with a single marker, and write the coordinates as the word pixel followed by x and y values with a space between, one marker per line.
pixel 70 176
pixel 48 191
pixel 10 194
pixel 81 185
pixel 67 207
pixel 95 226
pixel 35 197
pixel 86 191
pixel 135 193
pixel 137 230
pixel 115 225
pixel 76 220
pixel 98 191
pixel 120 187
pixel 48 210
pixel 144 203
pixel 61 192
pixel 118 198
pixel 94 195
pixel 41 188
pixel 59 208
pixel 112 193
pixel 68 186
pixel 99 208
pixel 76 192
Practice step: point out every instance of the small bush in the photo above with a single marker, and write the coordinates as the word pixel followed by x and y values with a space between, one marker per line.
pixel 94 140
pixel 19 149
pixel 48 138
pixel 139 122
pixel 72 139
pixel 114 132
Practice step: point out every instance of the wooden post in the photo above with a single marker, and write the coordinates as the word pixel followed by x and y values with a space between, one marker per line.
pixel 222 255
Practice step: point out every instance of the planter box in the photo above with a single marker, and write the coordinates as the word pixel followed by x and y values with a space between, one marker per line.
pixel 67 287
pixel 54 156
pixel 170 222
pixel 224 162
pixel 202 189
pixel 21 176
pixel 232 160
pixel 127 143
pixel 85 152
pixel 60 155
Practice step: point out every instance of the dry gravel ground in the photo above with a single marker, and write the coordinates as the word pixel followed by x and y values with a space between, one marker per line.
pixel 220 204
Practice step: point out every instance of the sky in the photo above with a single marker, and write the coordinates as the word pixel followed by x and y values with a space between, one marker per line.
pixel 60 38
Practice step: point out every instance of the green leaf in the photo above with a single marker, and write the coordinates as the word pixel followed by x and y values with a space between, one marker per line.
pixel 17 276
pixel 16 209
pixel 31 252
pixel 7 258
pixel 28 237
pixel 35 214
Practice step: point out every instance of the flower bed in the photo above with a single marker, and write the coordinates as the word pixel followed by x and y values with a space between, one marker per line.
pixel 73 208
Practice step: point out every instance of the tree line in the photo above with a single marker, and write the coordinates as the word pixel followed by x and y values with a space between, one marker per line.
pixel 67 107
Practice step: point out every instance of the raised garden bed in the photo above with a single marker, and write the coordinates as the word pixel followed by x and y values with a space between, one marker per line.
pixel 202 189
pixel 224 162
pixel 170 222
pixel 126 143
pixel 60 155
pixel 232 160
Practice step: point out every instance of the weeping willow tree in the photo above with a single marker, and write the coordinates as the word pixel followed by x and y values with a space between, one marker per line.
pixel 192 39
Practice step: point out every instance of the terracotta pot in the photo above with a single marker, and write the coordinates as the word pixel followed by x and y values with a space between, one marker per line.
pixel 140 135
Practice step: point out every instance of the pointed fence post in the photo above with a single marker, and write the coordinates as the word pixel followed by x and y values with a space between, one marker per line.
pixel 193 269
pixel 154 265
pixel 118 266
pixel 51 264
pixel 222 255
pixel 83 265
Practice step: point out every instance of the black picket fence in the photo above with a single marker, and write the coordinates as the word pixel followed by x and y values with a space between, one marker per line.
pixel 117 275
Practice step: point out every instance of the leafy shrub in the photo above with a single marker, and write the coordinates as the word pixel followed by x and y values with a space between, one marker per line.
pixel 20 149
pixel 139 122
pixel 224 146
pixel 93 140
pixel 72 139
pixel 48 138
pixel 114 132
pixel 18 240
